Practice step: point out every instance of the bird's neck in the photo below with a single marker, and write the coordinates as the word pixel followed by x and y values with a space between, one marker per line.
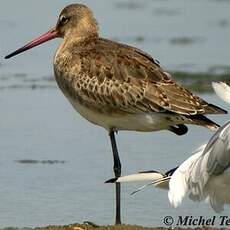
pixel 72 47
pixel 80 42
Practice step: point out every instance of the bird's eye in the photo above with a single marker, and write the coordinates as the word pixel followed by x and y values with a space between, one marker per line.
pixel 64 19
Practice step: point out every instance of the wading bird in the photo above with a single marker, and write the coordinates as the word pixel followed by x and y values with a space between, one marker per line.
pixel 116 86
pixel 205 175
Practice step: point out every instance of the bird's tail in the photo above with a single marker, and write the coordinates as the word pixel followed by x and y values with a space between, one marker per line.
pixel 162 183
pixel 141 188
pixel 213 109
pixel 202 120
pixel 158 180
pixel 142 176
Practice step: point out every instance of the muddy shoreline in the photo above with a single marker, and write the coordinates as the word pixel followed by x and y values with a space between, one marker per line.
pixel 92 226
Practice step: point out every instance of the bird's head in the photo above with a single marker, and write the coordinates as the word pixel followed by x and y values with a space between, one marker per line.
pixel 76 22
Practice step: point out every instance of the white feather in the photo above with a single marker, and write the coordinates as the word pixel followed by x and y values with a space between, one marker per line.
pixel 222 90
pixel 178 184
pixel 161 183
pixel 140 177
pixel 206 174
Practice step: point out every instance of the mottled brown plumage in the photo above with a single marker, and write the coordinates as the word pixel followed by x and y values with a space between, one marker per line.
pixel 117 77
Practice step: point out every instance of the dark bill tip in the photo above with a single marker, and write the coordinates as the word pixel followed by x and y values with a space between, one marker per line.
pixel 16 52
pixel 44 38
pixel 113 180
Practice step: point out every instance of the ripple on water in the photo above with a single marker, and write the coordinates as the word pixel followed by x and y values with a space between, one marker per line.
pixel 219 69
pixel 130 5
pixel 24 81
pixel 7 24
pixel 137 39
pixel 186 40
pixel 31 161
pixel 170 12
pixel 223 23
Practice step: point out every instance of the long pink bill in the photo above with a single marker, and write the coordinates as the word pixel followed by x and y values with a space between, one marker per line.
pixel 51 34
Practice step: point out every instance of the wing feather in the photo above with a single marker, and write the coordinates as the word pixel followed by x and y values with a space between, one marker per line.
pixel 219 151
pixel 127 79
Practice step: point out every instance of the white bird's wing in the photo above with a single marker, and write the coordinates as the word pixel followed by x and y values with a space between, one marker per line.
pixel 179 183
pixel 214 160
pixel 202 181
pixel 218 165
pixel 219 151
pixel 222 90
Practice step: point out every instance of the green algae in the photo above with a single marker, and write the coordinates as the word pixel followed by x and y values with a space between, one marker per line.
pixel 200 82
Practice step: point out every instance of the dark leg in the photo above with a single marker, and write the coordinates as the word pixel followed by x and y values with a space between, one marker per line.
pixel 117 172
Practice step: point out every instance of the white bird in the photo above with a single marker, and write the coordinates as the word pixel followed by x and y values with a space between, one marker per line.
pixel 204 176
pixel 222 90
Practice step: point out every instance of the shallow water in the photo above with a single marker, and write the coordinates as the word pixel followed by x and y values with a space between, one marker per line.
pixel 52 162
pixel 40 126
